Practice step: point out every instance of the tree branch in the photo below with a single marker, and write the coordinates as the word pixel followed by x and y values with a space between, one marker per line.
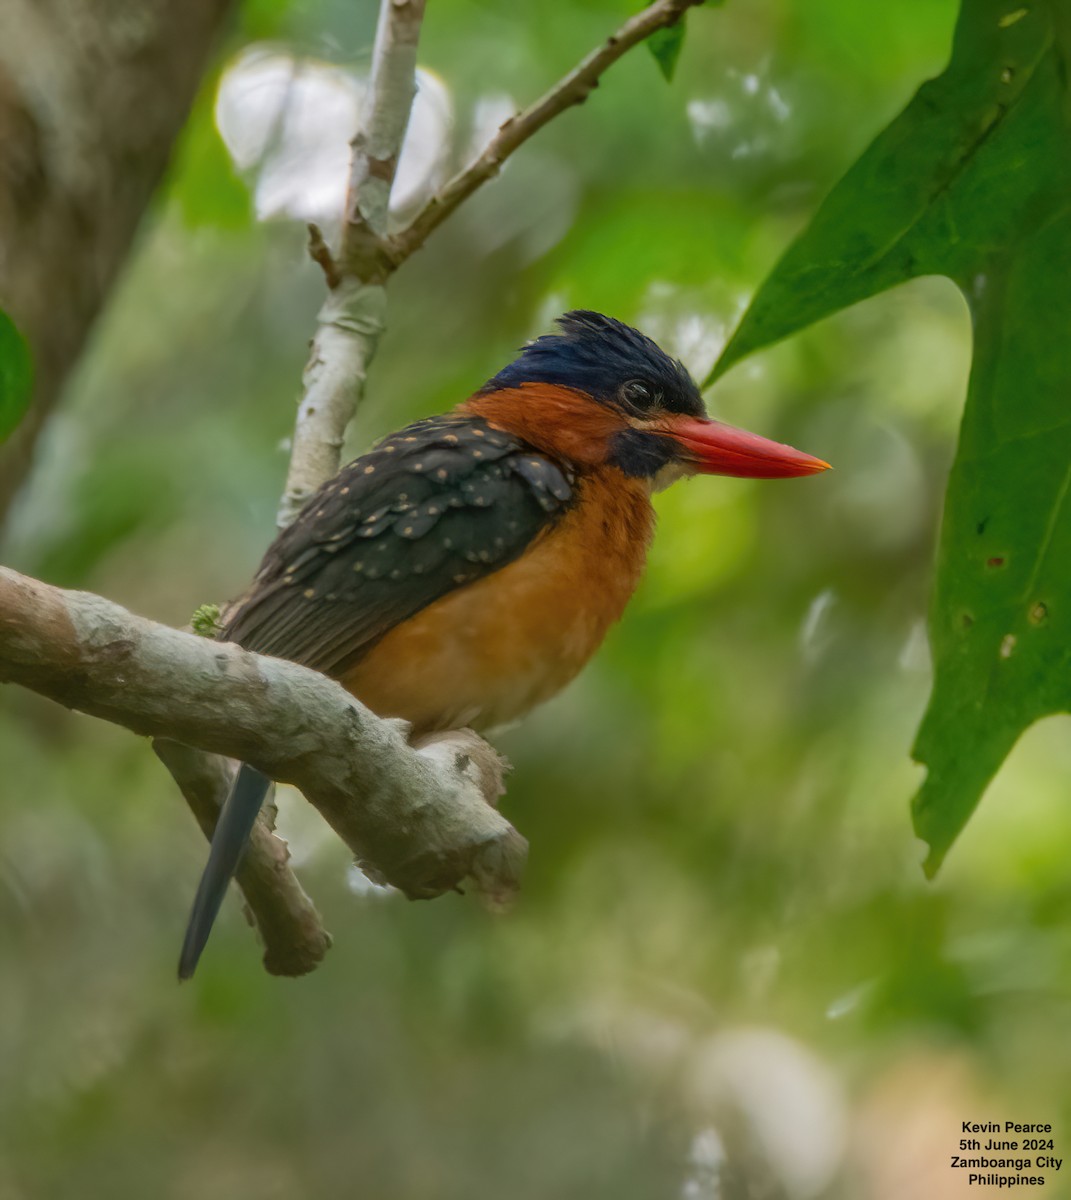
pixel 377 145
pixel 574 88
pixel 353 316
pixel 421 819
pixel 290 928
pixel 348 329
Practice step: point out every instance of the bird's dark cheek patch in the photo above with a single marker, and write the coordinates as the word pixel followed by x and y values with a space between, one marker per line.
pixel 640 454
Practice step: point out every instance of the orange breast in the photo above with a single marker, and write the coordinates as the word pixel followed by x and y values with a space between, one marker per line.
pixel 487 653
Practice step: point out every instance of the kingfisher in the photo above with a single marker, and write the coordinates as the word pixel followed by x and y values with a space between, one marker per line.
pixel 467 567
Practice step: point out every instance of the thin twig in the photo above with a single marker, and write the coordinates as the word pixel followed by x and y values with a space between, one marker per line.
pixel 574 88
pixel 320 253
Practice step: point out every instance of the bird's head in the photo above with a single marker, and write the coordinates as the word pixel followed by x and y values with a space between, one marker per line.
pixel 601 393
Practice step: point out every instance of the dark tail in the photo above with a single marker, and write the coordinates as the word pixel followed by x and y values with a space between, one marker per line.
pixel 232 831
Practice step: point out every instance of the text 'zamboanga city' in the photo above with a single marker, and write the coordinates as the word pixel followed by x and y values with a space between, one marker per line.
pixel 1004 1137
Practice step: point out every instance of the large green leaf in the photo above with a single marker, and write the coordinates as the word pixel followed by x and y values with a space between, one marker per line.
pixel 973 181
pixel 16 376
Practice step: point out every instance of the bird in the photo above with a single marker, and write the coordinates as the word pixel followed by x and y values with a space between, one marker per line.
pixel 466 568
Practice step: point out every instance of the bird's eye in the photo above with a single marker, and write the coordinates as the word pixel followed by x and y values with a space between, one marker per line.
pixel 639 394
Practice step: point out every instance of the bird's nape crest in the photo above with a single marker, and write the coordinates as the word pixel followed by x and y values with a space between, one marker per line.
pixel 597 354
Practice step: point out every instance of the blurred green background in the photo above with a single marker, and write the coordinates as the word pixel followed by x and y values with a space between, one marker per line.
pixel 726 977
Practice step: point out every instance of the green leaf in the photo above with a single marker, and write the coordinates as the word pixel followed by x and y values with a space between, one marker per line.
pixel 666 45
pixel 972 181
pixel 16 376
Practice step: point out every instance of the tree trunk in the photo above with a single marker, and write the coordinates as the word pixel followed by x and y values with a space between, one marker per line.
pixel 93 94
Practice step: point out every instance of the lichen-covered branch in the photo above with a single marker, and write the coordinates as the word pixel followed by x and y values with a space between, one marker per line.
pixel 352 318
pixel 377 145
pixel 347 333
pixel 422 819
